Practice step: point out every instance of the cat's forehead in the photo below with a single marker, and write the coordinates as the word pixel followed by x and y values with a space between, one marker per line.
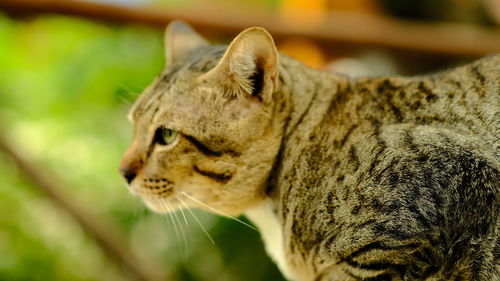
pixel 197 62
pixel 176 81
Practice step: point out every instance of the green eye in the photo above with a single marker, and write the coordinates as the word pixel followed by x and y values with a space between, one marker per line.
pixel 164 136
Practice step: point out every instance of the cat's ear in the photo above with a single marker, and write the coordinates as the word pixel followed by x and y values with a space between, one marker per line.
pixel 249 67
pixel 180 39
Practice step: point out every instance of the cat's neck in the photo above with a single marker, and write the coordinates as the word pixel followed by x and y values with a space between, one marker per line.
pixel 305 94
pixel 304 89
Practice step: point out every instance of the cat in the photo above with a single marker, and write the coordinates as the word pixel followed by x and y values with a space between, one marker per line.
pixel 387 178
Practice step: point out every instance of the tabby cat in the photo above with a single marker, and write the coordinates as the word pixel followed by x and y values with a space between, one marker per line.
pixel 389 178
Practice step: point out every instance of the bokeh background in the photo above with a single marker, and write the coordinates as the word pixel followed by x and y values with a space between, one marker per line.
pixel 69 71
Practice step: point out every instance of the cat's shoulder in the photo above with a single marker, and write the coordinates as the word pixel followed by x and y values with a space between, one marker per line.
pixel 486 70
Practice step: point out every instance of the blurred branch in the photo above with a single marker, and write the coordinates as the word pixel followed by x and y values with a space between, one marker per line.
pixel 108 238
pixel 354 29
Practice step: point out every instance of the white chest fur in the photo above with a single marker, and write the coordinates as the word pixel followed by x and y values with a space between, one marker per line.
pixel 271 231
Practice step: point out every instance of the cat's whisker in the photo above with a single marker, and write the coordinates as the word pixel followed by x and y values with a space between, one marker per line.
pixel 217 211
pixel 187 227
pixel 196 219
pixel 179 225
pixel 169 214
pixel 183 215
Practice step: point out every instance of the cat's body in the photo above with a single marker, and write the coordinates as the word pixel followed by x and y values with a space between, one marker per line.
pixel 392 175
pixel 374 179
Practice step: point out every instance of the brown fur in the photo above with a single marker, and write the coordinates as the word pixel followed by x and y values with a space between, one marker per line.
pixel 389 178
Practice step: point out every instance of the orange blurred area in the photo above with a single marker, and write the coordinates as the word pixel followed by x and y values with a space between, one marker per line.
pixel 364 6
pixel 304 13
pixel 304 50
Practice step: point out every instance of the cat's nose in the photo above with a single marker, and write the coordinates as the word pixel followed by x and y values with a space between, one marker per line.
pixel 128 174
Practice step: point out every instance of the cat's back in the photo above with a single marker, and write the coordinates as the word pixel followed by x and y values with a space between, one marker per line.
pixel 408 170
pixel 464 99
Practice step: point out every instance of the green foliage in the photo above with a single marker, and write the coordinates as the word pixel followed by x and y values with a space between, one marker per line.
pixel 65 87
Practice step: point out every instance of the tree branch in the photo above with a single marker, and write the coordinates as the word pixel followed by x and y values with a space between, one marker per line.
pixel 343 28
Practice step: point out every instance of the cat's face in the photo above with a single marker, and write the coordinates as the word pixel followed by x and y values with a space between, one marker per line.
pixel 204 129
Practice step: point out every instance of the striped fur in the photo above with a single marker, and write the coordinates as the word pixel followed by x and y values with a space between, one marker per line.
pixel 389 178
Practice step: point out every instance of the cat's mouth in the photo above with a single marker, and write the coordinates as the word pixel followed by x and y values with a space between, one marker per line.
pixel 157 194
pixel 155 188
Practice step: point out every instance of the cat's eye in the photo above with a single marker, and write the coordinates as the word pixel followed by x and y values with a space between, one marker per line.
pixel 164 136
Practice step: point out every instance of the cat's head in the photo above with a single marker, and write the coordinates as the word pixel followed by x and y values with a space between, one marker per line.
pixel 205 129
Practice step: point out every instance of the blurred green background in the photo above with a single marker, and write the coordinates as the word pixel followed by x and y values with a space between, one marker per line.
pixel 66 84
pixel 65 87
